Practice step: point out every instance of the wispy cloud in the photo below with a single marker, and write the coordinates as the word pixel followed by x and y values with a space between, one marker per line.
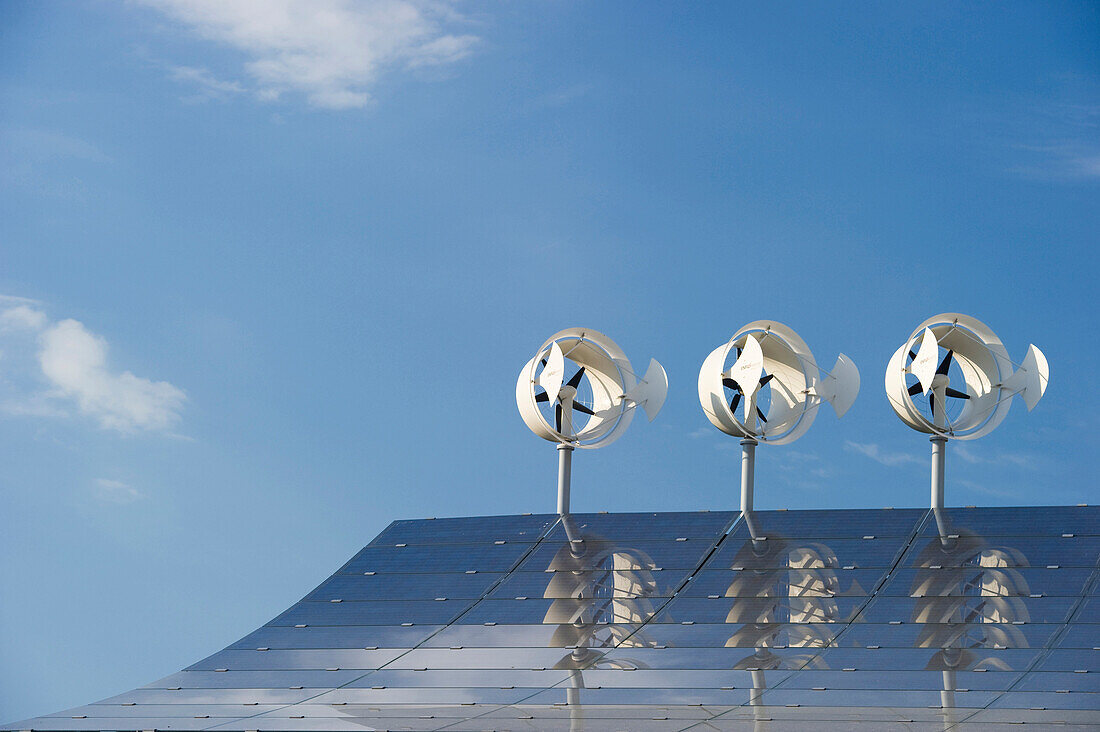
pixel 204 82
pixel 39 145
pixel 1002 458
pixel 71 370
pixel 115 491
pixel 331 51
pixel 560 97
pixel 1060 140
pixel 1065 160
pixel 884 457
pixel 999 492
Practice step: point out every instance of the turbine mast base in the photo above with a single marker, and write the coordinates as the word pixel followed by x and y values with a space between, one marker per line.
pixel 565 470
pixel 748 473
pixel 939 462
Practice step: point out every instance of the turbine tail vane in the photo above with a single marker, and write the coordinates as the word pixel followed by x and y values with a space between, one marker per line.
pixel 841 386
pixel 1030 380
pixel 651 391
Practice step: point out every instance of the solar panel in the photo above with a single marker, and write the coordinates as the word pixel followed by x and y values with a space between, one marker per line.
pixel 963 618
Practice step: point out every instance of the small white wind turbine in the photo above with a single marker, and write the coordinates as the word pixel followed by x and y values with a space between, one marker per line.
pixel 601 386
pixel 771 391
pixel 969 388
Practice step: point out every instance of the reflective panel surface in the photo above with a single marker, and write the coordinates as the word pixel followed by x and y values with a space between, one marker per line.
pixel 965 619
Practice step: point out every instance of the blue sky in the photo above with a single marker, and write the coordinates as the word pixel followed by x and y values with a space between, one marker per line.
pixel 269 274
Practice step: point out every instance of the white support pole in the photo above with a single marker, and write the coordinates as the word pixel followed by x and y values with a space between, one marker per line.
pixel 748 469
pixel 939 460
pixel 565 470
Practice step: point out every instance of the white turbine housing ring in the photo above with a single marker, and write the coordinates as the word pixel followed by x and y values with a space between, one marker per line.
pixel 615 389
pixel 772 354
pixel 987 372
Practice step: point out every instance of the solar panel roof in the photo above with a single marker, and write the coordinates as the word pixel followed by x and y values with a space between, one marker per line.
pixel 911 619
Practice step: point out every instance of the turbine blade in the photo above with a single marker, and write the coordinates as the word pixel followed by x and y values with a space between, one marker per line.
pixel 576 380
pixel 577 406
pixel 731 384
pixel 932 403
pixel 945 364
pixel 557 417
pixel 551 376
pixel 749 365
pixel 542 396
pixel 924 365
pixel 766 379
pixel 736 400
pixel 956 393
pixel 915 389
pixel 761 416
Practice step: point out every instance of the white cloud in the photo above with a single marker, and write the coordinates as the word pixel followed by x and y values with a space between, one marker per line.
pixel 60 369
pixel 332 51
pixel 890 459
pixel 22 317
pixel 115 491
pixel 75 362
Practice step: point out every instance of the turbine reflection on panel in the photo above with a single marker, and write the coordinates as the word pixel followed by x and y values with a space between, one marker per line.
pixel 784 597
pixel 602 596
pixel 969 600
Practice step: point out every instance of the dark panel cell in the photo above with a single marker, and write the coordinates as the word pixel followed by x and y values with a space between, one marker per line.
pixel 371 612
pixel 599 555
pixel 625 582
pixel 967 550
pixel 360 636
pixel 970 577
pixel 1074 700
pixel 314 658
pixel 1056 681
pixel 1048 521
pixel 779 551
pixel 390 586
pixel 487 557
pixel 1075 660
pixel 833 524
pixel 775 609
pixel 470 530
pixel 1089 612
pixel 974 608
pixel 621 527
pixel 1081 636
pixel 852 678
pixel 812 581
pixel 499 636
pixel 825 697
pixel 262 679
